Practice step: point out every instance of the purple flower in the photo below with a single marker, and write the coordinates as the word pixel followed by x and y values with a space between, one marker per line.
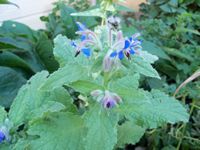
pixel 109 102
pixel 2 137
pixel 106 99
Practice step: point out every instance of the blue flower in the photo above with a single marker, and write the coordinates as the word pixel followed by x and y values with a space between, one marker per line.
pixel 2 137
pixel 81 28
pixel 86 51
pixel 87 37
pixel 131 45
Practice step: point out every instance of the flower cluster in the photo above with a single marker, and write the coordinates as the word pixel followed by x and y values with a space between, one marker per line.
pixel 131 46
pixel 107 99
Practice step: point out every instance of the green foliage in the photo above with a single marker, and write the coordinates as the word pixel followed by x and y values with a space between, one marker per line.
pixel 129 133
pixel 23 52
pixel 47 110
pixel 102 124
pixel 60 21
pixel 172 26
pixel 8 2
pixel 10 82
pixel 31 103
pixel 67 128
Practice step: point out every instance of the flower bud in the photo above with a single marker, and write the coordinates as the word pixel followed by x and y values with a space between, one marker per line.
pixel 96 93
pixel 107 64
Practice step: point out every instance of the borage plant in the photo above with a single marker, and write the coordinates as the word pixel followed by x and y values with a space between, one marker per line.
pixel 93 101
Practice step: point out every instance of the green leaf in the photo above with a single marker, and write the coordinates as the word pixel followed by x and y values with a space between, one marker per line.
pixel 155 109
pixel 31 103
pixel 3 115
pixel 85 87
pixel 101 125
pixel 129 88
pixel 58 132
pixel 154 49
pixel 126 82
pixel 61 95
pixel 141 66
pixel 15 43
pixel 7 2
pixel 93 12
pixel 10 82
pixel 12 60
pixel 4 146
pixel 166 8
pixel 11 28
pixel 129 133
pixel 67 20
pixel 177 53
pixel 64 76
pixel 44 49
pixel 148 57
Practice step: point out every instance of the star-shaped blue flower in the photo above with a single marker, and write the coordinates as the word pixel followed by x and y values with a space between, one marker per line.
pixel 130 46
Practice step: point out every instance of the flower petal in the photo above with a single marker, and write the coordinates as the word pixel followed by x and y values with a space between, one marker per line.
pixel 81 27
pixel 83 37
pixel 136 35
pixel 136 42
pixel 132 51
pixel 127 44
pixel 121 55
pixel 86 51
pixel 113 54
pixel 2 136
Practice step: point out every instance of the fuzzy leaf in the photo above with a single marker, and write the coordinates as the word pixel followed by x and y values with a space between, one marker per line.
pixel 59 131
pixel 64 76
pixel 154 109
pixel 129 133
pixel 128 88
pixel 3 115
pixel 102 132
pixel 148 57
pixel 93 12
pixel 142 66
pixel 61 95
pixel 31 103
pixel 85 87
